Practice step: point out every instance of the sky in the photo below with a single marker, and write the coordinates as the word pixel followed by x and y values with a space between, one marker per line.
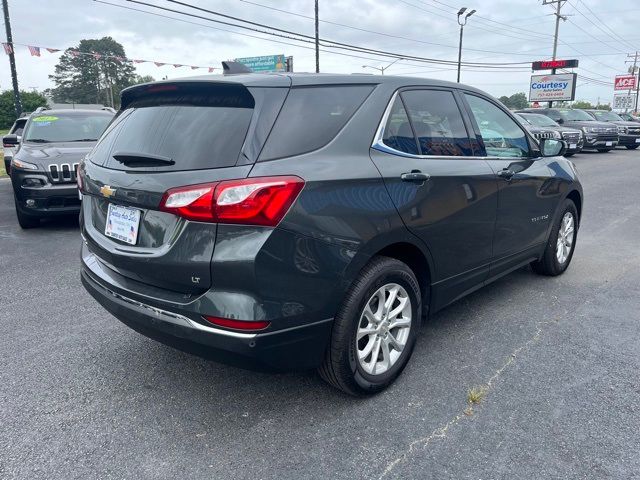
pixel 600 33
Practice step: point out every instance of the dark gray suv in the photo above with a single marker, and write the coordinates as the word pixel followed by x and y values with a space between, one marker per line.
pixel 296 221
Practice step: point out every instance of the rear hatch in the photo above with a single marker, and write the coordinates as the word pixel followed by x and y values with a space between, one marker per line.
pixel 166 136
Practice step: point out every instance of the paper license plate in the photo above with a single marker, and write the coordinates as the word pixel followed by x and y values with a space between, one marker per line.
pixel 573 146
pixel 122 223
pixel 609 144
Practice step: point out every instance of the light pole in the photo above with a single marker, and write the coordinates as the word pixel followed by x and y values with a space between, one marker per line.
pixel 382 69
pixel 462 21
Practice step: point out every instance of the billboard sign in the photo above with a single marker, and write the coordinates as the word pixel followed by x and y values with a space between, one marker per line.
pixel 547 88
pixel 624 102
pixel 625 82
pixel 266 63
pixel 551 64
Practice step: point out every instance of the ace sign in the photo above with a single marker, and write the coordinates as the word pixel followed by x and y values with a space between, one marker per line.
pixel 625 82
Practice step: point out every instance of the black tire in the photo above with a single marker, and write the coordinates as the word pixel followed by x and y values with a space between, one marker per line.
pixel 604 150
pixel 549 263
pixel 341 367
pixel 632 147
pixel 569 154
pixel 26 221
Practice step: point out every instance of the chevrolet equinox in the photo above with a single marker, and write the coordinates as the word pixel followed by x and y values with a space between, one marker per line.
pixel 297 221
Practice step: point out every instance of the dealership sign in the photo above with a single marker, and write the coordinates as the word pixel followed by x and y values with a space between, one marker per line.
pixel 547 88
pixel 624 102
pixel 551 64
pixel 267 63
pixel 625 82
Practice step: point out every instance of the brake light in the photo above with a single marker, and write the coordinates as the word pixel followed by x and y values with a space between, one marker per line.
pixel 6 145
pixel 79 180
pixel 245 325
pixel 249 201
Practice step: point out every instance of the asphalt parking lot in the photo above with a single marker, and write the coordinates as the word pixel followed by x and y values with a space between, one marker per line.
pixel 82 396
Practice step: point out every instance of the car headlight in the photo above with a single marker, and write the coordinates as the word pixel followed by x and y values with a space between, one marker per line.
pixel 15 163
pixel 622 129
pixel 557 135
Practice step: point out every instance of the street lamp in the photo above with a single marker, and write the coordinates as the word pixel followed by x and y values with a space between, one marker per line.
pixel 382 69
pixel 462 21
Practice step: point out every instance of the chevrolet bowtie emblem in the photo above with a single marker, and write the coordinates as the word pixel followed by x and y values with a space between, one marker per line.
pixel 107 191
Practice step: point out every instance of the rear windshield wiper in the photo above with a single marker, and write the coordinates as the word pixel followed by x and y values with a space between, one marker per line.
pixel 142 159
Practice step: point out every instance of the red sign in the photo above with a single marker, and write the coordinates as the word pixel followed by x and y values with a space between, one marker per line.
pixel 551 64
pixel 625 82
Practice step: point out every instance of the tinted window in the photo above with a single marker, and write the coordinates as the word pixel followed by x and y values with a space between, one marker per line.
pixel 63 127
pixel 575 115
pixel 397 131
pixel 607 116
pixel 437 122
pixel 18 128
pixel 501 135
pixel 311 117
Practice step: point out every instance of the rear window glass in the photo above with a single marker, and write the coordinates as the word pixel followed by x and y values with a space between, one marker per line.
pixel 197 130
pixel 61 127
pixel 311 117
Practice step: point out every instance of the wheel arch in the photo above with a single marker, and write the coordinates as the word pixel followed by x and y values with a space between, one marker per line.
pixel 576 198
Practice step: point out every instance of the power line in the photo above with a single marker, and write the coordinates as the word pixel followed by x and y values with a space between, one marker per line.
pixel 615 35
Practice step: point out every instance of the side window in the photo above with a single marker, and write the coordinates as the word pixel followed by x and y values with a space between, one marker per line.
pixel 438 123
pixel 502 136
pixel 323 111
pixel 397 131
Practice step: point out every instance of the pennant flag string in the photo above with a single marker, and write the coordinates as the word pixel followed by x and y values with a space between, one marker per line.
pixel 36 52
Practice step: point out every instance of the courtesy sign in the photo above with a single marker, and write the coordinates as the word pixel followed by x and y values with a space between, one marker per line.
pixel 545 88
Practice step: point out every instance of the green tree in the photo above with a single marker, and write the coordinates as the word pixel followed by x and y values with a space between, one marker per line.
pixel 143 79
pixel 582 104
pixel 30 101
pixel 95 78
pixel 515 101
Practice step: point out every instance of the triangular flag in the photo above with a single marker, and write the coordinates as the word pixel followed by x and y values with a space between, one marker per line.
pixel 159 64
pixel 8 49
pixel 74 53
pixel 53 50
pixel 97 56
pixel 194 68
pixel 178 65
pixel 35 51
pixel 211 69
pixel 139 61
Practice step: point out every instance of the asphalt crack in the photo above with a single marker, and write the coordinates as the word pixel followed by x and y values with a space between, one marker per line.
pixel 441 431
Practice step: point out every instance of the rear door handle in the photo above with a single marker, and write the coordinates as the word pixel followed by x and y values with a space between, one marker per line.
pixel 506 173
pixel 415 176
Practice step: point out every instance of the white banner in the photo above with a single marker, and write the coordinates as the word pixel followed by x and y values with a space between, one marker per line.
pixel 545 88
pixel 624 102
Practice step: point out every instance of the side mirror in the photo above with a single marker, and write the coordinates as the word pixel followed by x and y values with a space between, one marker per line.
pixel 550 147
pixel 560 121
pixel 10 140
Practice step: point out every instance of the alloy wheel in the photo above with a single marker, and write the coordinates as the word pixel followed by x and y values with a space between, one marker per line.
pixel 566 237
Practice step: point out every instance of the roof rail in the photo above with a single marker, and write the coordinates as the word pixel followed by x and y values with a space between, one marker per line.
pixel 230 68
pixel 40 109
pixel 109 109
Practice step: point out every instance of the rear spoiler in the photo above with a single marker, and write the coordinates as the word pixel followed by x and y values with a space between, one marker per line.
pixel 231 68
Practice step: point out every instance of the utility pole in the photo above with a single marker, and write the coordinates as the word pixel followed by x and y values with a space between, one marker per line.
pixel 317 40
pixel 462 21
pixel 559 4
pixel 633 72
pixel 12 60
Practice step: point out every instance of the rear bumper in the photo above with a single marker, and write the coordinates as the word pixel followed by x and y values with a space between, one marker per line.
pixel 295 348
pixel 36 196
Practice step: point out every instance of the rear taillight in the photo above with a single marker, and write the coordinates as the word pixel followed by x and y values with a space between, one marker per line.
pixel 6 145
pixel 79 180
pixel 250 201
pixel 245 325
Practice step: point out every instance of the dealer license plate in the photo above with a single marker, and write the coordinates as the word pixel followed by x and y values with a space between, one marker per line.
pixel 609 144
pixel 573 146
pixel 637 140
pixel 122 223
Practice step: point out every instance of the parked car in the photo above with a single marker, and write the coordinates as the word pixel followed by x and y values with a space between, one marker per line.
pixel 628 132
pixel 8 149
pixel 543 124
pixel 300 221
pixel 599 136
pixel 629 117
pixel 43 169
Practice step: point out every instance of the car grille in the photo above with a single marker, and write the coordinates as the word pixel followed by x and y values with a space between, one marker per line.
pixel 63 173
pixel 541 135
pixel 610 130
pixel 571 137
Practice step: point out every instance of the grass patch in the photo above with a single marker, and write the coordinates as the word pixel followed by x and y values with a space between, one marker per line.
pixel 3 131
pixel 476 394
pixel 2 172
